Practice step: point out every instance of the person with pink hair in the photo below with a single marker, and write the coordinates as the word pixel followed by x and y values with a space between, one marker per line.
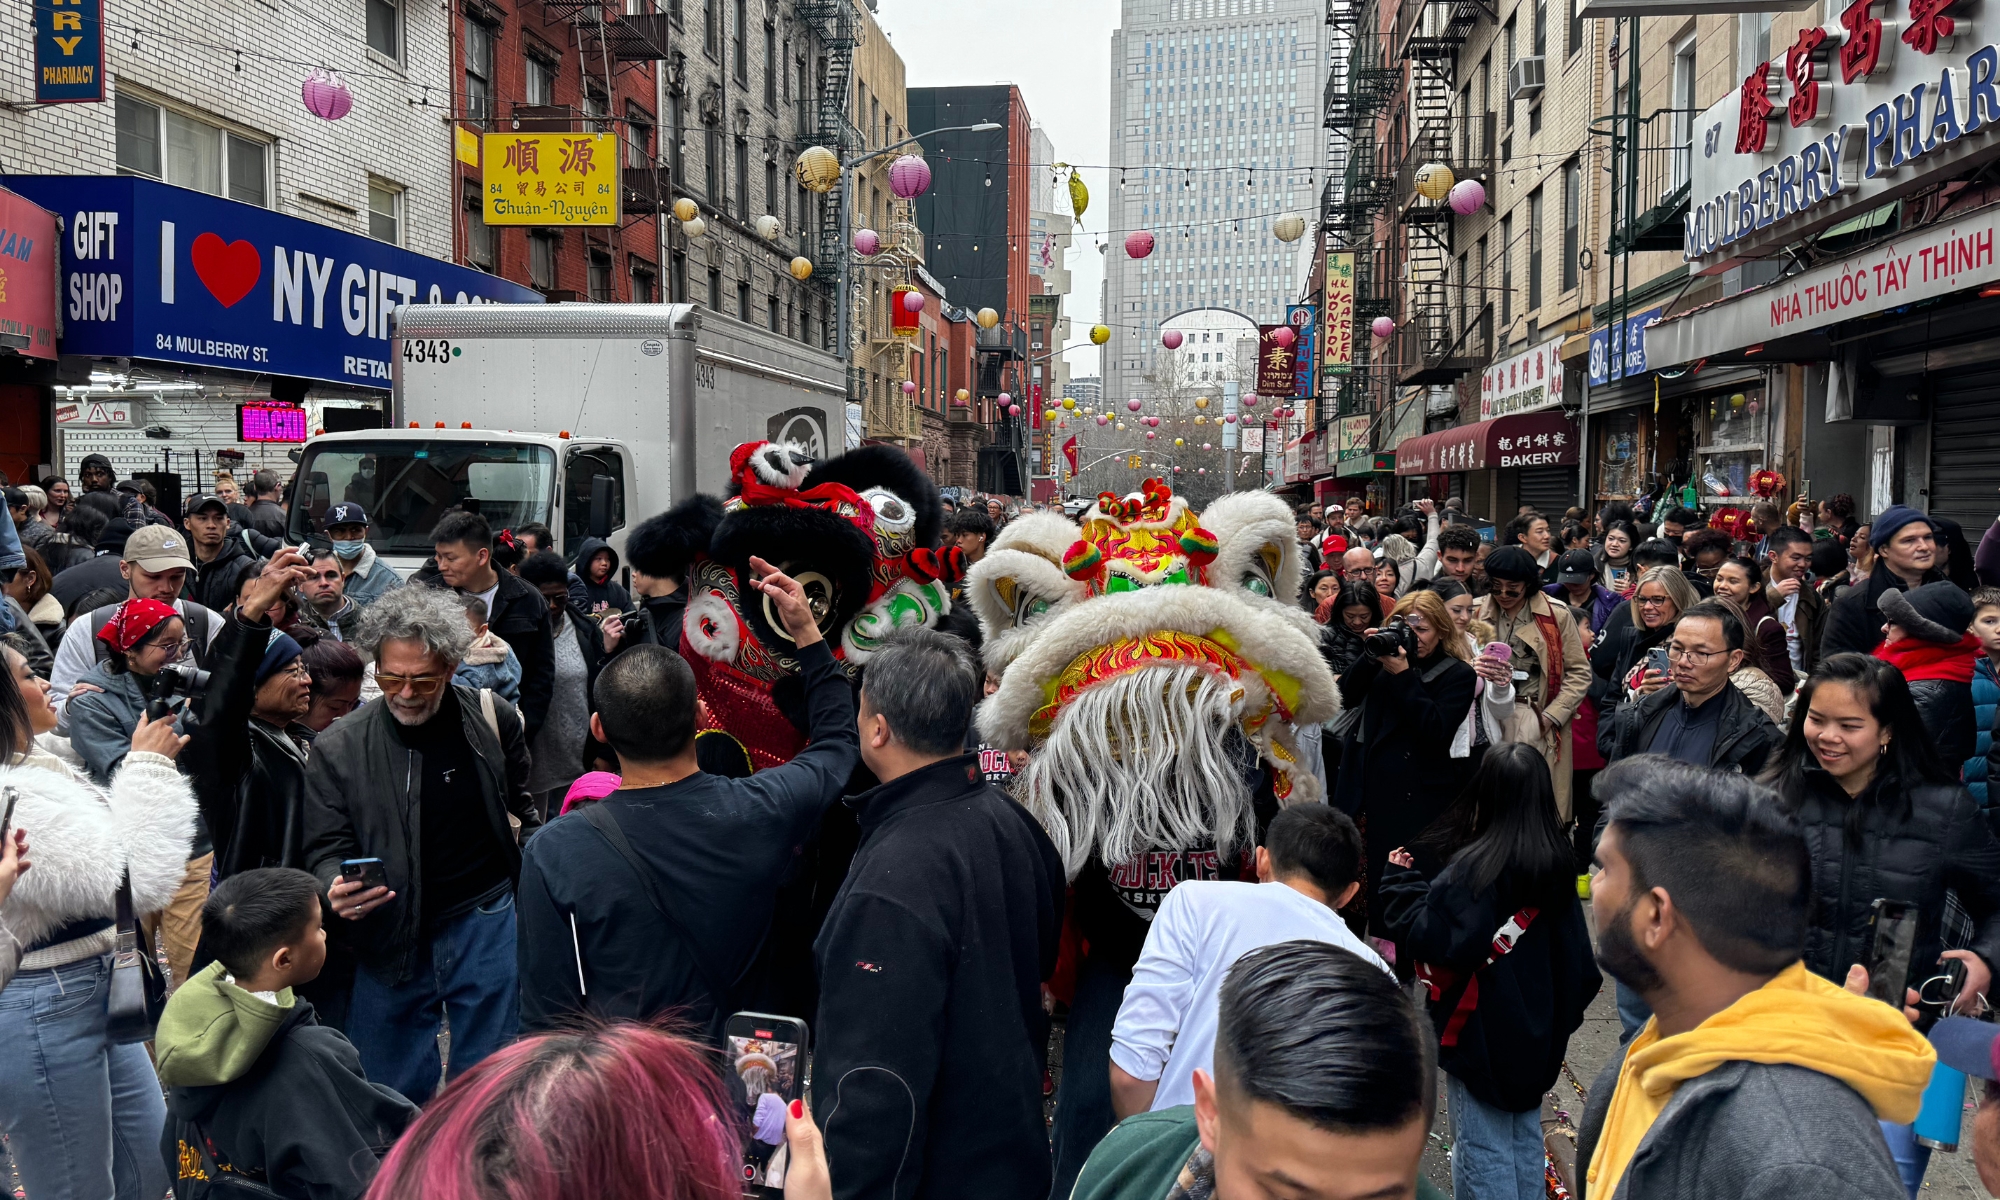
pixel 618 1111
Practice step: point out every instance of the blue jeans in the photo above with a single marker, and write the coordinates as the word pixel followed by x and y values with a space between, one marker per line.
pixel 468 974
pixel 82 1116
pixel 1083 1103
pixel 1912 1160
pixel 1495 1154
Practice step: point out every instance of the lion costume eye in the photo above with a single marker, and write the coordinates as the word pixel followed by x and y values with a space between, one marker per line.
pixel 819 598
pixel 1256 584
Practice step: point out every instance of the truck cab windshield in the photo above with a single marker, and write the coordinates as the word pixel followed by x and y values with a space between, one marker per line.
pixel 406 486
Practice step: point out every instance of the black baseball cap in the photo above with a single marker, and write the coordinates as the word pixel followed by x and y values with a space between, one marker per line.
pixel 200 502
pixel 347 512
pixel 1575 566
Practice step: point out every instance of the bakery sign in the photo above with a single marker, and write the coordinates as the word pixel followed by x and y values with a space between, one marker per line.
pixel 1886 99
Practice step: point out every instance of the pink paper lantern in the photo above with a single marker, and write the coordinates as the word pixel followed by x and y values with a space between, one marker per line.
pixel 1138 244
pixel 867 241
pixel 1383 327
pixel 913 302
pixel 909 387
pixel 909 176
pixel 1229 418
pixel 1201 470
pixel 1249 401
pixel 325 96
pixel 1005 399
pixel 1172 339
pixel 1466 196
pixel 1103 420
pixel 1283 335
pixel 1206 446
pixel 1133 405
pixel 1153 422
pixel 1150 435
pixel 1177 470
pixel 1013 410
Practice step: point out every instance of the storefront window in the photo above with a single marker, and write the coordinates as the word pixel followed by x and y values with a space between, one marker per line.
pixel 1621 458
pixel 1731 445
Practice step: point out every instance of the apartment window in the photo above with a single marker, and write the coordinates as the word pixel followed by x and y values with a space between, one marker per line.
pixel 478 70
pixel 1572 221
pixel 742 49
pixel 1575 27
pixel 540 83
pixel 542 249
pixel 771 189
pixel 385 28
pixel 600 278
pixel 712 165
pixel 1506 272
pixel 1541 28
pixel 385 212
pixel 1534 249
pixel 1506 73
pixel 742 180
pixel 638 137
pixel 645 283
pixel 743 303
pixel 1684 111
pixel 482 241
pixel 770 66
pixel 776 314
pixel 677 277
pixel 711 28
pixel 187 151
pixel 595 109
pixel 676 127
pixel 715 289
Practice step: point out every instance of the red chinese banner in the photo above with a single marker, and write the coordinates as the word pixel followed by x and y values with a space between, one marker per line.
pixel 1276 362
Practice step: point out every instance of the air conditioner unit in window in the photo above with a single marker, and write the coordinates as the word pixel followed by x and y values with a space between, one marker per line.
pixel 1525 78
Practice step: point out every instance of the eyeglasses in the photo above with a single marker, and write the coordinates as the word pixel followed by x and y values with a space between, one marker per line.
pixel 419 685
pixel 1652 601
pixel 174 649
pixel 1689 654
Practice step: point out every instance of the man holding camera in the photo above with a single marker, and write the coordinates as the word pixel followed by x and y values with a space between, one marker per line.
pixel 155 566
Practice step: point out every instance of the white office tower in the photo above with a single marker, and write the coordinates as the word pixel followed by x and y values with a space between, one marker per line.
pixel 1215 132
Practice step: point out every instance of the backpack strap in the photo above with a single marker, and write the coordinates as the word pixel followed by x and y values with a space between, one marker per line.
pixel 600 818
pixel 1438 980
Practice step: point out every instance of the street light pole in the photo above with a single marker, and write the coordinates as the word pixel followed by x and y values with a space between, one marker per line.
pixel 844 210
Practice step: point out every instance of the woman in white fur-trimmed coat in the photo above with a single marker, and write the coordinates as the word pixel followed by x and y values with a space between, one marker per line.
pixel 82 1116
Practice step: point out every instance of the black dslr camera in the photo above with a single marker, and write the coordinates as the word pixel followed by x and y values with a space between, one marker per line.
pixel 1396 635
pixel 174 680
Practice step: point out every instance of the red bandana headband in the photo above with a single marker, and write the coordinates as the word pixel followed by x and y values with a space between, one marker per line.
pixel 133 621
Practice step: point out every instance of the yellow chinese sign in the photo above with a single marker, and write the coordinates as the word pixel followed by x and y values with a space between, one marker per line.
pixel 1339 343
pixel 465 145
pixel 551 178
pixel 1134 462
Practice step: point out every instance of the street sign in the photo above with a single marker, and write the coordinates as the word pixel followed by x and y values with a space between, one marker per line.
pixel 551 178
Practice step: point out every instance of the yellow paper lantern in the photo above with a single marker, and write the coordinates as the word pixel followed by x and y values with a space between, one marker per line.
pixel 1048 414
pixel 1434 181
pixel 1201 401
pixel 1121 427
pixel 819 169
pixel 987 318
pixel 694 228
pixel 1100 334
pixel 1289 228
pixel 1069 403
pixel 961 396
pixel 686 209
pixel 802 268
pixel 1179 442
pixel 1200 420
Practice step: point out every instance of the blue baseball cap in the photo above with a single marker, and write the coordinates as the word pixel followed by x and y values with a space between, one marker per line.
pixel 347 512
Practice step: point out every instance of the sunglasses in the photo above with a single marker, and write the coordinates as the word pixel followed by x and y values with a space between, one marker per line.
pixel 419 685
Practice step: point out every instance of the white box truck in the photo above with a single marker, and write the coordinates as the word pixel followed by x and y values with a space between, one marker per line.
pixel 587 418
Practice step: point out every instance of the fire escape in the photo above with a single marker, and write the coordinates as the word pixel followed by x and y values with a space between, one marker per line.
pixel 611 41
pixel 1432 348
pixel 1358 87
pixel 838 28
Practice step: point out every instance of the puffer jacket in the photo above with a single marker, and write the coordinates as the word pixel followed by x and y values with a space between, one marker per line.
pixel 1985 709
pixel 1940 679
pixel 1942 842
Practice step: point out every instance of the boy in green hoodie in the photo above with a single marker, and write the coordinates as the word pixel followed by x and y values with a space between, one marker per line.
pixel 257 1087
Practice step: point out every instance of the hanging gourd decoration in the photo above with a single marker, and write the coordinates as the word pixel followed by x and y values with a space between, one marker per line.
pixel 1100 334
pixel 1434 181
pixel 1289 228
pixel 1171 339
pixel 686 210
pixel 1283 335
pixel 1466 197
pixel 1201 401
pixel 818 169
pixel 325 96
pixel 867 241
pixel 909 387
pixel 913 301
pixel 987 318
pixel 1138 244
pixel 1069 403
pixel 1382 327
pixel 769 227
pixel 909 177
pixel 694 228
pixel 801 268
pixel 1079 195
pixel 961 397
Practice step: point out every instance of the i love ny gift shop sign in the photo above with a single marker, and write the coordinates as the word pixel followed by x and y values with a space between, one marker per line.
pixel 165 273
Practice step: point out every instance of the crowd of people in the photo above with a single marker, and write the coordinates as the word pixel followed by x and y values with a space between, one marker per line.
pixel 324 883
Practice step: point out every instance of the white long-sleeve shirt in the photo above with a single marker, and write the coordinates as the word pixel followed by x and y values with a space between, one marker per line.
pixel 1167 1023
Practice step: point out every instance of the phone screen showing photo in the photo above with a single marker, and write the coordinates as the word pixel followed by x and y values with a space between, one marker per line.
pixel 761 1065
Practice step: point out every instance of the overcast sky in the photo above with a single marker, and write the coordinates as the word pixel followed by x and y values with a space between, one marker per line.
pixel 1058 52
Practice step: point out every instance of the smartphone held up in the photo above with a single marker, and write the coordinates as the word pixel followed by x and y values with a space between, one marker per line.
pixel 766 1059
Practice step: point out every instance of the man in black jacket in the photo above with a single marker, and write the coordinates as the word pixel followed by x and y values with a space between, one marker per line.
pixel 1695 715
pixel 432 782
pixel 711 851
pixel 1905 545
pixel 931 1032
pixel 463 545
pixel 659 551
pixel 267 516
pixel 220 561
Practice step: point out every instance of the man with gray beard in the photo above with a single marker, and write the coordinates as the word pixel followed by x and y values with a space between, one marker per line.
pixel 426 786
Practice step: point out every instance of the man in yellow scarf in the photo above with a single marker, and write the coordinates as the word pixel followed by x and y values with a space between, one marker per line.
pixel 1755 1078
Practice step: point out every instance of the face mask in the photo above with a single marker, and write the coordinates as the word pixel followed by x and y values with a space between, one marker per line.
pixel 348 549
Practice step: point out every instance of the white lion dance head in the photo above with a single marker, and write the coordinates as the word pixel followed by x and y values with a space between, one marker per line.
pixel 1154 662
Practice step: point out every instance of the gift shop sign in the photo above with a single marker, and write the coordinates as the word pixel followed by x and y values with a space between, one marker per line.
pixel 165 273
pixel 1933 261
pixel 1529 380
pixel 1889 97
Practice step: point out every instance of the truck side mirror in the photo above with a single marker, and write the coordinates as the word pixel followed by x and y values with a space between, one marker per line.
pixel 600 505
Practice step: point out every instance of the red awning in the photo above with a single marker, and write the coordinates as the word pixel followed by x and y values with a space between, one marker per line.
pixel 1536 439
